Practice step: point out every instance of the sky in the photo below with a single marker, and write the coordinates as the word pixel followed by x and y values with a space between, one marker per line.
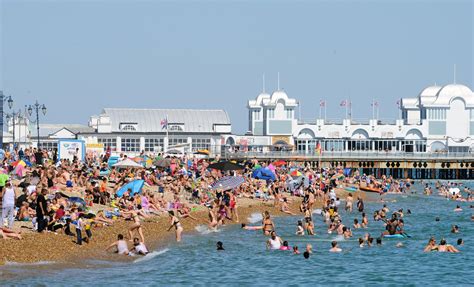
pixel 77 57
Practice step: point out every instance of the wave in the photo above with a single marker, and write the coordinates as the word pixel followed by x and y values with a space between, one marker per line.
pixel 255 217
pixel 317 211
pixel 204 229
pixel 8 263
pixel 151 255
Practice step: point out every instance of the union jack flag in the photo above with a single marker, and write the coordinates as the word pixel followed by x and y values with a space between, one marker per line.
pixel 164 123
pixel 322 103
pixel 343 103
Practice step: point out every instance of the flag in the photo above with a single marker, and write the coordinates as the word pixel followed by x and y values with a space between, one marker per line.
pixel 343 103
pixel 399 102
pixel 375 104
pixel 318 149
pixel 322 103
pixel 164 123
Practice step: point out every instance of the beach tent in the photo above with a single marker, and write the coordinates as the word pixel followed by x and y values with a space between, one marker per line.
pixel 127 163
pixel 228 182
pixel 263 173
pixel 135 185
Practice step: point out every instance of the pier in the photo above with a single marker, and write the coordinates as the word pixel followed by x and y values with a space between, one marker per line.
pixel 424 165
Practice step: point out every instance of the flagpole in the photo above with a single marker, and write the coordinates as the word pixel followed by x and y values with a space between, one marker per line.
pixel 373 109
pixel 346 108
pixel 167 130
pixel 325 110
pixel 320 103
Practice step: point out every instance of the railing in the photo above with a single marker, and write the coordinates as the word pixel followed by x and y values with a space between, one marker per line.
pixel 351 155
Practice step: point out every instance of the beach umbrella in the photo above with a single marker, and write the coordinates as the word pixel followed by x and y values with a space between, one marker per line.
pixel 165 162
pixel 263 173
pixel 228 182
pixel 271 167
pixel 296 173
pixel 225 165
pixel 135 186
pixel 203 152
pixel 279 163
pixel 19 170
pixel 77 201
pixel 19 162
pixel 127 163
pixel 138 159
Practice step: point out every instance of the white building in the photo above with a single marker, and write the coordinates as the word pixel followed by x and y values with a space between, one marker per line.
pixel 439 119
pixel 136 130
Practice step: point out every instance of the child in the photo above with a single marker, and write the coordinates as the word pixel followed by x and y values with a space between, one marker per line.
pixel 300 229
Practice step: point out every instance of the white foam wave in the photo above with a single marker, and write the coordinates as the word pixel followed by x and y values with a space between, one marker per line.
pixel 8 263
pixel 204 229
pixel 255 217
pixel 151 255
pixel 339 238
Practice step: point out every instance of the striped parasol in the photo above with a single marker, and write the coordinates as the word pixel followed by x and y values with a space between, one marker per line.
pixel 228 182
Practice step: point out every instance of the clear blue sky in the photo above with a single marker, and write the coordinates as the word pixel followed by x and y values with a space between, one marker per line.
pixel 78 57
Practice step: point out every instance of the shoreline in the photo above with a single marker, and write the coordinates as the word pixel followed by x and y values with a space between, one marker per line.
pixel 60 248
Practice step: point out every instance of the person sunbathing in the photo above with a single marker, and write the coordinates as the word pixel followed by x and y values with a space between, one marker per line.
pixel 6 233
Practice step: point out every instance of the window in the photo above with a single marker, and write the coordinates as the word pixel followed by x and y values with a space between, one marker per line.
pixel 271 113
pixel 176 128
pixel 256 115
pixel 198 144
pixel 153 144
pixel 289 113
pixel 437 114
pixel 108 142
pixel 48 145
pixel 128 127
pixel 176 141
pixel 131 144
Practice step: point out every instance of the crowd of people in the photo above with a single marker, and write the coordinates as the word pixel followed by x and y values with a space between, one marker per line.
pixel 74 196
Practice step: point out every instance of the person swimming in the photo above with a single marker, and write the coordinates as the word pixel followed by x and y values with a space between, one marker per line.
pixel 455 229
pixel 220 246
pixel 306 255
pixel 285 246
pixel 295 250
pixel 335 247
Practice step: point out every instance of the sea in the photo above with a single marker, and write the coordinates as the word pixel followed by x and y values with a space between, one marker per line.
pixel 246 261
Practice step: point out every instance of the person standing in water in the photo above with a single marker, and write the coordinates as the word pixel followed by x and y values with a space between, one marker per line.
pixel 274 242
pixel 176 224
pixel 360 204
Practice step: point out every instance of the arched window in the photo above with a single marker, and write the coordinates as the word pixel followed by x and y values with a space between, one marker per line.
pixel 128 128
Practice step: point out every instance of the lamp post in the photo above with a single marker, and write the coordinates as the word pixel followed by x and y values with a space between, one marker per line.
pixel 3 99
pixel 36 107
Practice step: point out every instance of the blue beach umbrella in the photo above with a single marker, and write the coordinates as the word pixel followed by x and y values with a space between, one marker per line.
pixel 228 182
pixel 135 185
pixel 263 173
pixel 77 201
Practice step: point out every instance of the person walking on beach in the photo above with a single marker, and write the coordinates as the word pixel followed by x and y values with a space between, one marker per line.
pixel 137 225
pixel 176 224
pixel 8 204
pixel 41 210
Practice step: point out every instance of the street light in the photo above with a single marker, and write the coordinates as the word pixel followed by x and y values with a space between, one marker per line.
pixel 3 99
pixel 36 107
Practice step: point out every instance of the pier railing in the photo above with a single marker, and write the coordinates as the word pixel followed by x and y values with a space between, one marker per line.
pixel 350 155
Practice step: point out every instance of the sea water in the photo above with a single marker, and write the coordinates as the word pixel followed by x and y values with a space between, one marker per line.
pixel 246 261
